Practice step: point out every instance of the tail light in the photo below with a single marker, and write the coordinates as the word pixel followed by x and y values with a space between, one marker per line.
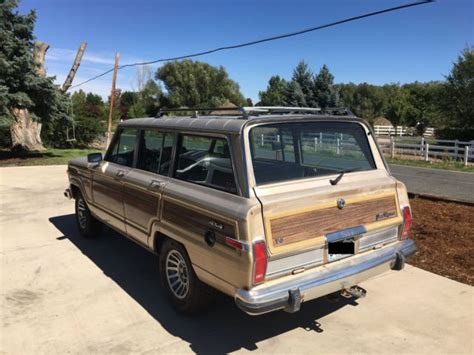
pixel 407 219
pixel 259 262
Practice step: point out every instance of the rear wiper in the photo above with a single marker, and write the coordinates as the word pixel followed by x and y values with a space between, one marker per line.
pixel 341 174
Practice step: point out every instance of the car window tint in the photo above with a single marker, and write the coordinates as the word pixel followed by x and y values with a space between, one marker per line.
pixel 149 153
pixel 124 147
pixel 205 161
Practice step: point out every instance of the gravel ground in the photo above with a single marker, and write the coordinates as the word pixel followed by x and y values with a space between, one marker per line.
pixel 444 234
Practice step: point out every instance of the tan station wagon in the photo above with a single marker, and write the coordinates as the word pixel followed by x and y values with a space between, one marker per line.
pixel 273 206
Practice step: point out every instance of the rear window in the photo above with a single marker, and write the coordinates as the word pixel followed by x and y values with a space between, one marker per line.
pixel 290 151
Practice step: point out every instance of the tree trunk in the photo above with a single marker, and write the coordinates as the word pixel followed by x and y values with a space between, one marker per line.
pixel 68 82
pixel 25 132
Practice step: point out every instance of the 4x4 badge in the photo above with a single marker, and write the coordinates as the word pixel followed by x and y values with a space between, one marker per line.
pixel 341 203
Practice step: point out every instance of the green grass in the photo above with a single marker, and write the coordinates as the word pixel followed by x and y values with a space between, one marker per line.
pixel 49 156
pixel 445 165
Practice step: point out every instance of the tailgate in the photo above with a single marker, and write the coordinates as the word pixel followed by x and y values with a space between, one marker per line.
pixel 297 221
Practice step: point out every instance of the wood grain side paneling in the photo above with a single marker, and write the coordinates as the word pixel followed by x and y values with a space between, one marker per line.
pixel 195 221
pixel 141 206
pixel 319 222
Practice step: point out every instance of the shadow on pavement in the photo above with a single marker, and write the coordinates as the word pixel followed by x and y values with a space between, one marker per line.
pixel 222 329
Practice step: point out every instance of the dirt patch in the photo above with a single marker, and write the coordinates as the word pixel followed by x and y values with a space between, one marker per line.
pixel 444 235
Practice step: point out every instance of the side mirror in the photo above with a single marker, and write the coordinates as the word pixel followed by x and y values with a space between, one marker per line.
pixel 94 157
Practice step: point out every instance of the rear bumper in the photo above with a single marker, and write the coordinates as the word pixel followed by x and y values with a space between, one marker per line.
pixel 291 292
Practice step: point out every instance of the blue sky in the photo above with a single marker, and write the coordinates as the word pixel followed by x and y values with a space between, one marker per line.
pixel 418 43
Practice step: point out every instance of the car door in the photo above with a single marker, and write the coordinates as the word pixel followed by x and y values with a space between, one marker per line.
pixel 143 185
pixel 107 183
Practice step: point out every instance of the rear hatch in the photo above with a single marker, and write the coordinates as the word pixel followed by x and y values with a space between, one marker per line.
pixel 316 195
pixel 299 219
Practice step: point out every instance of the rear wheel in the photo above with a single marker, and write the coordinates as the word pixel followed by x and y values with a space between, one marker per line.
pixel 86 223
pixel 185 291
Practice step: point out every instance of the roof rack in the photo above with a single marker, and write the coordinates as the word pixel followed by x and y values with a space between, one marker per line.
pixel 246 111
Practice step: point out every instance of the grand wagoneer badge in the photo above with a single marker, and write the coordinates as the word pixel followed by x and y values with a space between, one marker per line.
pixel 384 215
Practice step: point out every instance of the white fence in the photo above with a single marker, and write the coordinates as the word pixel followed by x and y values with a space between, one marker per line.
pixel 400 131
pixel 428 148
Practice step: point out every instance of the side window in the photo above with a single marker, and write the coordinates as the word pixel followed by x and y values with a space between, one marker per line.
pixel 123 147
pixel 205 161
pixel 155 151
pixel 149 153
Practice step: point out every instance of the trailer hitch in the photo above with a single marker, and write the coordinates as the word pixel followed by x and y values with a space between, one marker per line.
pixel 354 291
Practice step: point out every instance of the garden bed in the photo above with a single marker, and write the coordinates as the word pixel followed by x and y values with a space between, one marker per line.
pixel 444 235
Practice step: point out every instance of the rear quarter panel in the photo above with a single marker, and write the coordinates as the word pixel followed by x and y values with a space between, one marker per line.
pixel 189 211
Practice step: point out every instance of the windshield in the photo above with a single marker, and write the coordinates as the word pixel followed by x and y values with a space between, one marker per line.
pixel 289 151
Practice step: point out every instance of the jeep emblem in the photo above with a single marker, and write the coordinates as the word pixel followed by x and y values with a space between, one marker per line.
pixel 341 203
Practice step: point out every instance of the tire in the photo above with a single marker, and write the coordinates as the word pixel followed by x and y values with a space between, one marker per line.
pixel 186 292
pixel 88 226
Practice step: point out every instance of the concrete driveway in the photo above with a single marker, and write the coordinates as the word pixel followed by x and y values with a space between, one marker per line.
pixel 63 294
pixel 454 185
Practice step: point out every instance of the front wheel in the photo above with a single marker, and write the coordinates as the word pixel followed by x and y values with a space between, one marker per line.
pixel 88 226
pixel 185 291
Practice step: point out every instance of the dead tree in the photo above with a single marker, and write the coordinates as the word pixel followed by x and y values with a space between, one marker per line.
pixel 26 132
pixel 75 66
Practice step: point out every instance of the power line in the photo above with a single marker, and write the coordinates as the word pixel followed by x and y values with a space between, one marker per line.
pixel 268 39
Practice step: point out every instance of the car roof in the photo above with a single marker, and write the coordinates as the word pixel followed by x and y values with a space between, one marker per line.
pixel 225 124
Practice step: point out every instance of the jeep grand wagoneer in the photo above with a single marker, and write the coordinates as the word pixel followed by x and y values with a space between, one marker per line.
pixel 272 206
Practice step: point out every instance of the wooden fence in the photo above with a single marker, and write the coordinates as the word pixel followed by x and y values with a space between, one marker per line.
pixel 428 148
pixel 400 131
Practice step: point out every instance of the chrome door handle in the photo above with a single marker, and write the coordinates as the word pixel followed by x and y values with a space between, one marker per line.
pixel 156 185
pixel 120 174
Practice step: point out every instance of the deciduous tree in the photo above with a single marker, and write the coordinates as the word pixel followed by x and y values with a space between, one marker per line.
pixel 196 84
pixel 274 95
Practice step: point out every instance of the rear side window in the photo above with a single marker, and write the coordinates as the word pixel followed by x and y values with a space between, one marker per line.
pixel 205 161
pixel 154 152
pixel 123 147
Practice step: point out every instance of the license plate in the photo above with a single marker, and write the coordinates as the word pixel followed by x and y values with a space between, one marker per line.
pixel 341 249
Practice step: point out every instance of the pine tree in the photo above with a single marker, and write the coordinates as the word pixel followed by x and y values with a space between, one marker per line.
pixel 325 94
pixel 304 77
pixel 458 99
pixel 29 101
pixel 294 96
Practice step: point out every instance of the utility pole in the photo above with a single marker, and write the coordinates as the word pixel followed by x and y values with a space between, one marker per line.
pixel 112 100
pixel 75 66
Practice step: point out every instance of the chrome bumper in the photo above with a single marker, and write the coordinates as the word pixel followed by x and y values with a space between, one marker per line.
pixel 289 293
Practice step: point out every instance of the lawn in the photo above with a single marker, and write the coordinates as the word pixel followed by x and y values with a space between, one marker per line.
pixel 49 156
pixel 445 165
